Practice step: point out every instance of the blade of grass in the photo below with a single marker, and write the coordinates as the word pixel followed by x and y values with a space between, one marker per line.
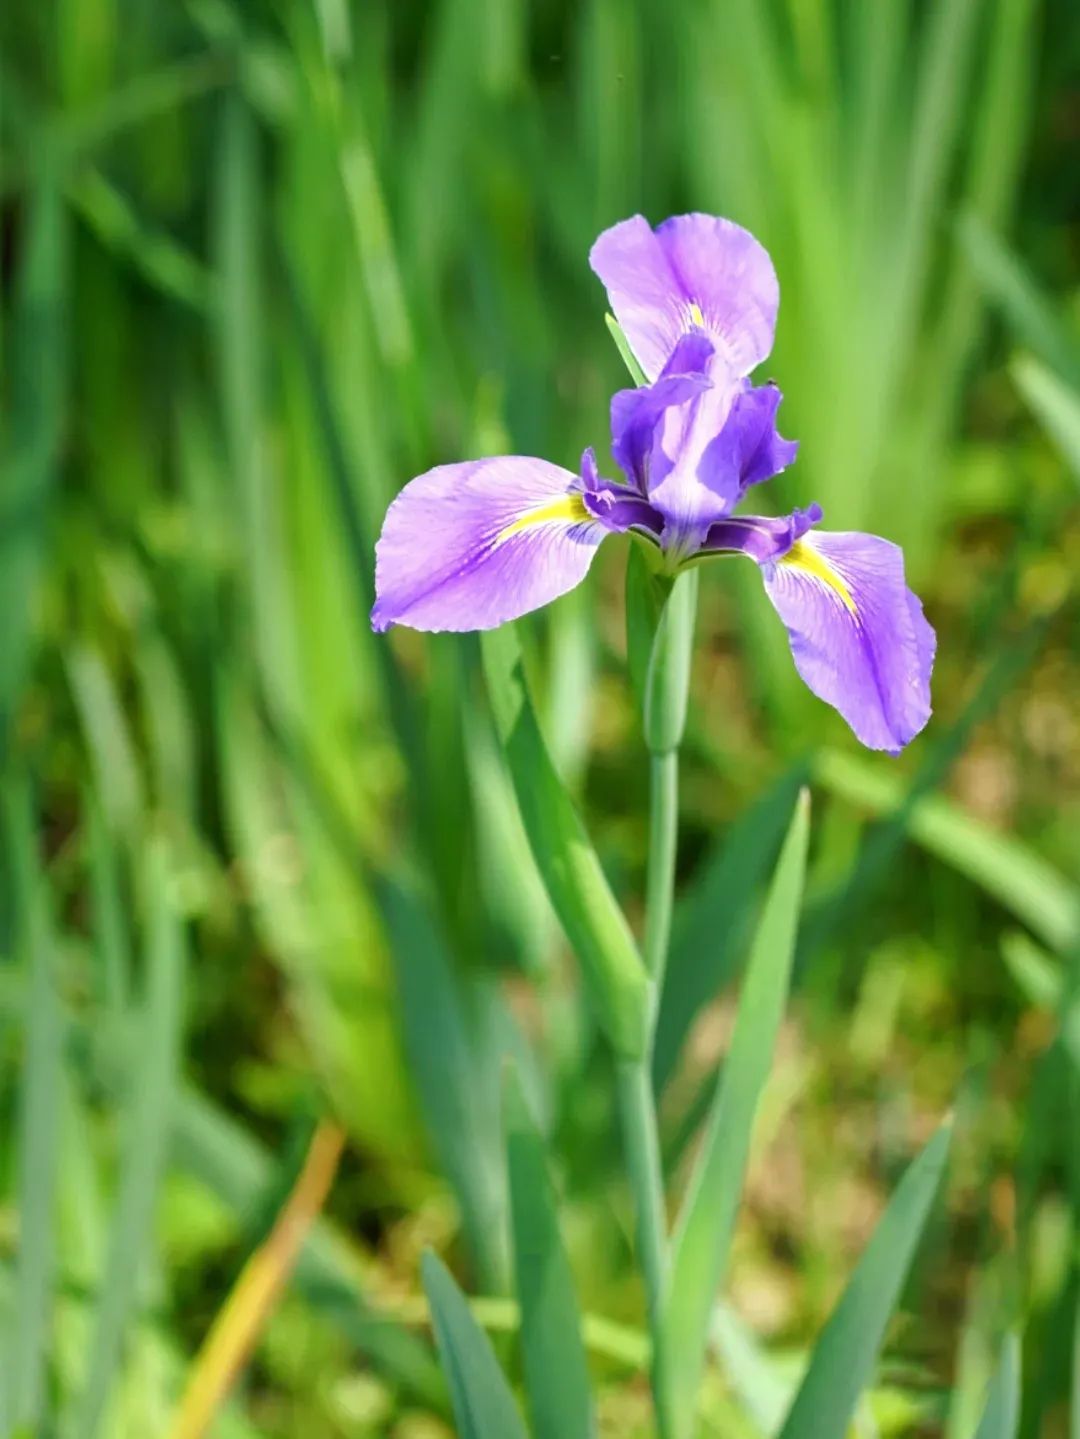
pixel 38 1130
pixel 37 364
pixel 1055 405
pixel 707 1220
pixel 236 1329
pixel 1033 316
pixel 1001 1417
pixel 556 1375
pixel 1005 868
pixel 841 1365
pixel 236 1167
pixel 484 1407
pixel 446 1062
pixel 152 1089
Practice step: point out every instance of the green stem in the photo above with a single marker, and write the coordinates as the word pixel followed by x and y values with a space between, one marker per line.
pixel 642 1143
pixel 660 874
pixel 636 1103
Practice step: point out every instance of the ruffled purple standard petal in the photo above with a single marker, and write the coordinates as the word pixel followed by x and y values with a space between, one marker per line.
pixel 858 635
pixel 693 271
pixel 470 546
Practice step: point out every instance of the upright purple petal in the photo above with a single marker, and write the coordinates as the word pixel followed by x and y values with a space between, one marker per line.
pixel 694 443
pixel 858 635
pixel 635 413
pixel 749 444
pixel 470 546
pixel 693 271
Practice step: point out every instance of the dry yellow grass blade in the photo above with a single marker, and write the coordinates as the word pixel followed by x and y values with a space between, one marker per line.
pixel 238 1325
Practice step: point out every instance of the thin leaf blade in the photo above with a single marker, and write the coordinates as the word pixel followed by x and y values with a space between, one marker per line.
pixel 843 1358
pixel 484 1407
pixel 556 1374
pixel 708 1218
pixel 1001 1417
pixel 153 1100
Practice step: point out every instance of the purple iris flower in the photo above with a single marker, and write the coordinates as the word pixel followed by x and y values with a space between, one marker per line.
pixel 470 546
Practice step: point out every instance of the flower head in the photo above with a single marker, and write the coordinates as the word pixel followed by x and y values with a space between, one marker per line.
pixel 470 546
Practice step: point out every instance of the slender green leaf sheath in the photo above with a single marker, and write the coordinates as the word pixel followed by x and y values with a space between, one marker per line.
pixel 594 924
pixel 708 1218
pixel 484 1407
pixel 647 592
pixel 1001 1417
pixel 556 1374
pixel 842 1362
pixel 667 686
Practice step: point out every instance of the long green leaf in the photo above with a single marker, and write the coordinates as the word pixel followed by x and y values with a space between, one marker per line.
pixel 556 1375
pixel 1034 317
pixel 484 1407
pixel 446 1058
pixel 1055 404
pixel 1001 1417
pixel 705 1227
pixel 713 922
pixel 593 922
pixel 39 1101
pixel 36 361
pixel 1005 868
pixel 152 1097
pixel 842 1363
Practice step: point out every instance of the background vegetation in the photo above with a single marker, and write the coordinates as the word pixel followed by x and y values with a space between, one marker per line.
pixel 261 264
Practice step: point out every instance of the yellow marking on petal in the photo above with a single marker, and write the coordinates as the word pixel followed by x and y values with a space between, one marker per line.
pixel 566 507
pixel 696 315
pixel 811 562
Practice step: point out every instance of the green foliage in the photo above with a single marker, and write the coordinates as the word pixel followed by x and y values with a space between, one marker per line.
pixel 553 1355
pixel 842 1359
pixel 1001 1417
pixel 483 1403
pixel 261 265
pixel 579 893
pixel 707 1218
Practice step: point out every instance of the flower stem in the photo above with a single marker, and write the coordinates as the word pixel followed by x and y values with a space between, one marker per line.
pixel 664 716
pixel 638 1114
pixel 660 874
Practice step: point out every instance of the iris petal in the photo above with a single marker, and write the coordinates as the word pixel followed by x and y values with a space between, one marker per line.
pixel 470 546
pixel 693 271
pixel 857 633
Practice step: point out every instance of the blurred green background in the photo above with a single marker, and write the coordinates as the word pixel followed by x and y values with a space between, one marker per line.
pixel 262 263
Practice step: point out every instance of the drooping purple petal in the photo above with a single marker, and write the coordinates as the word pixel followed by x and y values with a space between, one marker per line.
pixel 693 271
pixel 470 546
pixel 858 635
